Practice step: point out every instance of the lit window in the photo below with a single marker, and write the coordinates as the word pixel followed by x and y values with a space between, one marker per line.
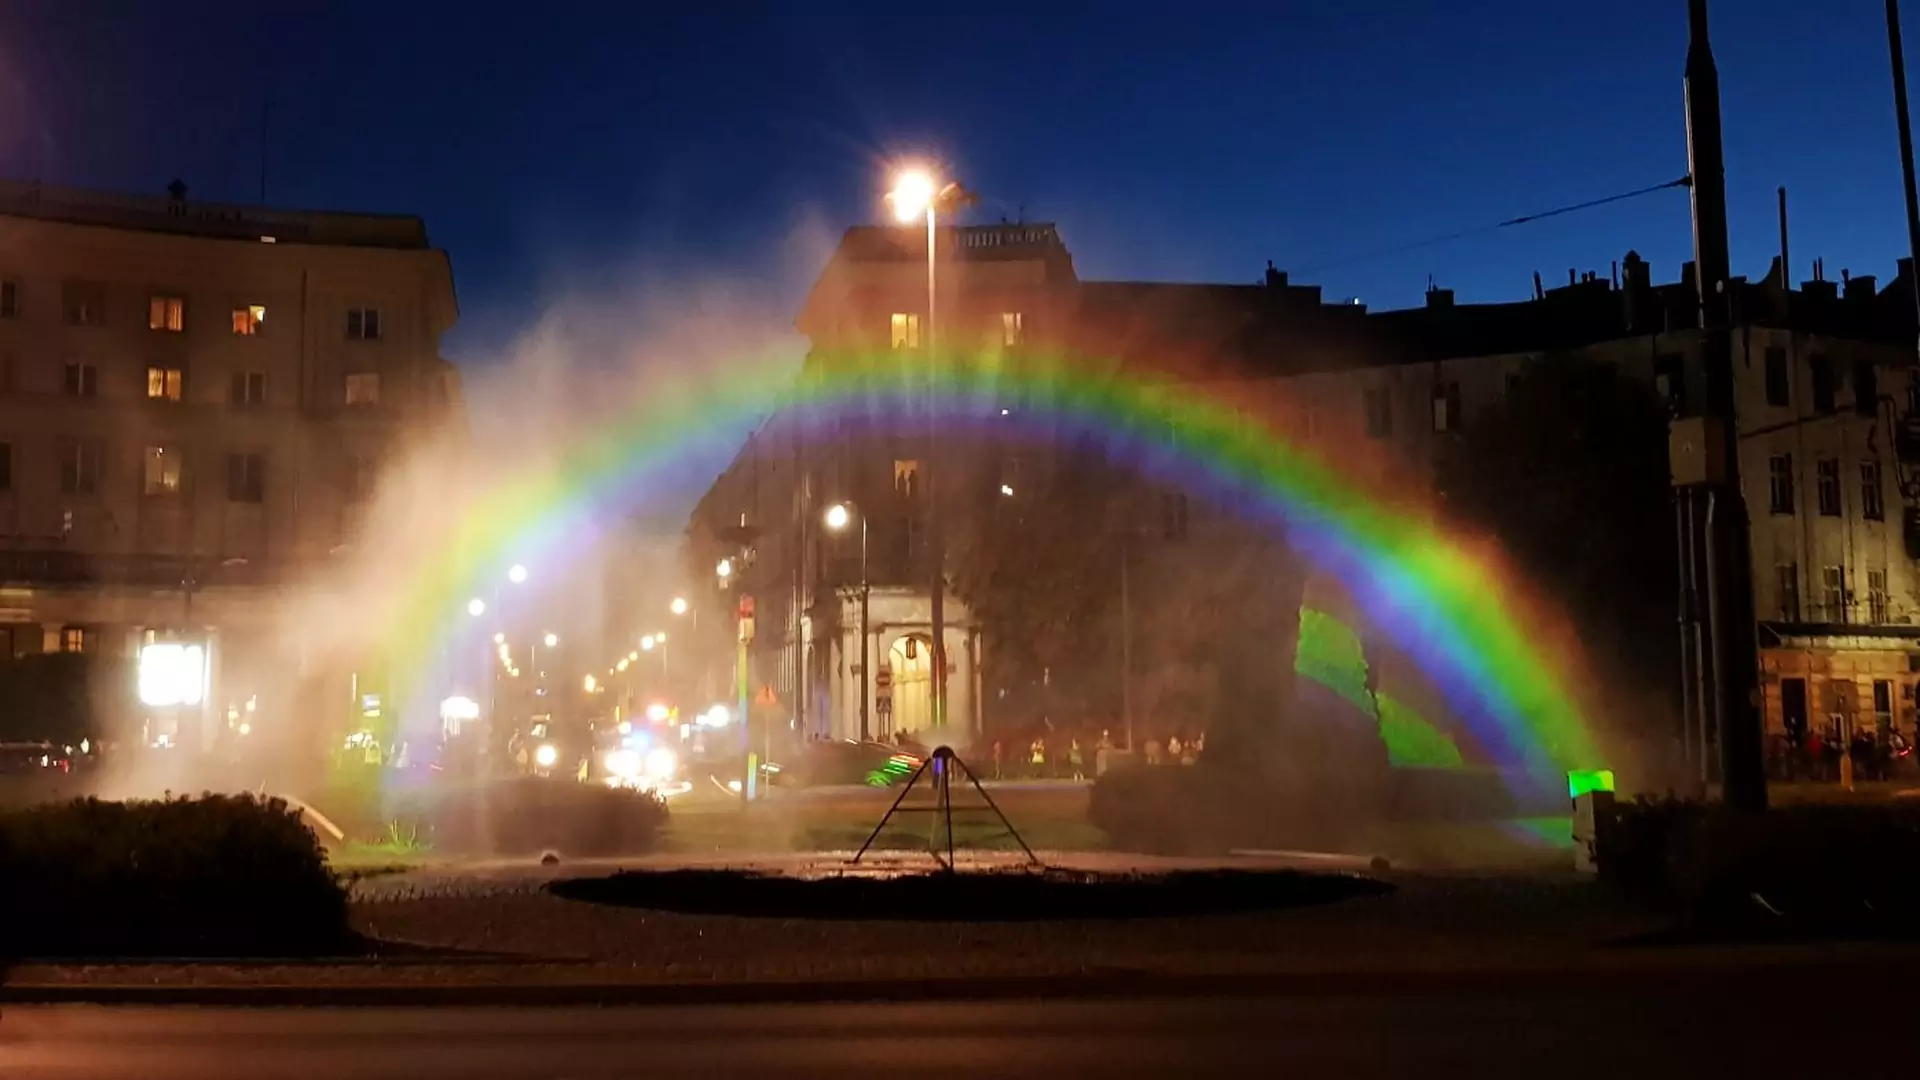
pixel 906 330
pixel 247 320
pixel 249 388
pixel 363 324
pixel 363 388
pixel 81 379
pixel 80 467
pixel 165 384
pixel 1012 329
pixel 161 470
pixel 73 639
pixel 168 313
pixel 246 478
pixel 906 476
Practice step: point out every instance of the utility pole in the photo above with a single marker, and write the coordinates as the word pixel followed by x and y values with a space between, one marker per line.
pixel 1897 49
pixel 1735 658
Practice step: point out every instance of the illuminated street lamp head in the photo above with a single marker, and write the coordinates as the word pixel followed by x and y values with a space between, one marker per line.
pixel 725 569
pixel 517 574
pixel 589 683
pixel 913 191
pixel 646 643
pixel 551 639
pixel 679 605
pixel 476 607
pixel 838 516
pixel 622 665
pixel 499 638
pixel 634 655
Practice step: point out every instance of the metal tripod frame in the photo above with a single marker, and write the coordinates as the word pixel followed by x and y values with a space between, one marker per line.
pixel 943 762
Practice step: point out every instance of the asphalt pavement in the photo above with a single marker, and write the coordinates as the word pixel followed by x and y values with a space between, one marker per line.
pixel 1751 1025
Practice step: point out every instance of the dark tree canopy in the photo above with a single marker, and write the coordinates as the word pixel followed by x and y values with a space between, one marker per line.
pixel 1570 473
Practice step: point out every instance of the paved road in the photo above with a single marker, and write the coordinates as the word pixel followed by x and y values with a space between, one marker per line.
pixel 1745 1027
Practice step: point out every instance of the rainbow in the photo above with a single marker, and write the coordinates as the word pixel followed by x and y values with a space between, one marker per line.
pixel 1441 600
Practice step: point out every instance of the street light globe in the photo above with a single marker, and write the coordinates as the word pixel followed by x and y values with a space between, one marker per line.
pixel 646 643
pixel 679 605
pixel 660 636
pixel 551 639
pixel 589 683
pixel 517 574
pixel 634 655
pixel 476 607
pixel 912 191
pixel 838 516
pixel 725 569
pixel 499 638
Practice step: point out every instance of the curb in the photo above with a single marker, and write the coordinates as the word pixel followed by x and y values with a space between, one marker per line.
pixel 1890 973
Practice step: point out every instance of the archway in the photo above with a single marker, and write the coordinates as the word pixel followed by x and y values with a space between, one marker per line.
pixel 910 664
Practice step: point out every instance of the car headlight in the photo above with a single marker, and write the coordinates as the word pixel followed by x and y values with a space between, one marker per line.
pixel 546 755
pixel 661 763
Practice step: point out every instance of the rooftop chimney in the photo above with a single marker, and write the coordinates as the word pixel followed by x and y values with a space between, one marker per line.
pixel 1860 289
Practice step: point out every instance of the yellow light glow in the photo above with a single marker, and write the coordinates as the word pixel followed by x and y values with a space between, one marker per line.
pixel 589 683
pixel 552 639
pixel 912 192
pixel 838 516
pixel 679 605
pixel 622 665
pixel 476 607
pixel 646 643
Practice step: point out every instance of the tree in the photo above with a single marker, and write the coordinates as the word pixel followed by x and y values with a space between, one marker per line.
pixel 1570 473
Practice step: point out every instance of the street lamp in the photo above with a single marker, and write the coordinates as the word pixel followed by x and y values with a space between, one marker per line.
pixel 646 643
pixel 476 607
pixel 839 516
pixel 517 574
pixel 724 570
pixel 679 605
pixel 551 640
pixel 917 192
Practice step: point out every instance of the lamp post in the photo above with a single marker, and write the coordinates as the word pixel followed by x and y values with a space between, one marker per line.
pixel 916 192
pixel 839 516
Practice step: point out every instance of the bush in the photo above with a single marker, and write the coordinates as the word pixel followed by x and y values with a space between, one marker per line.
pixel 1846 870
pixel 524 816
pixel 214 876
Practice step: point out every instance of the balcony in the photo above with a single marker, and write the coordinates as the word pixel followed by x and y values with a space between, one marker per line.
pixel 58 567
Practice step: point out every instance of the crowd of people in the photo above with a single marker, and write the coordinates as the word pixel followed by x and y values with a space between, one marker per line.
pixel 1081 754
pixel 1816 754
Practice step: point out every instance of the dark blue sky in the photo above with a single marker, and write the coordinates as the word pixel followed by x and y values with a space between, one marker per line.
pixel 554 143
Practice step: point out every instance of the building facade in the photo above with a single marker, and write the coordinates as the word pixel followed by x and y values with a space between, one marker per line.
pixel 1825 396
pixel 195 403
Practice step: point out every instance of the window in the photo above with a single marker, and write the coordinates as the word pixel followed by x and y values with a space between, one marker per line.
pixel 6 466
pixel 1823 382
pixel 168 313
pixel 1012 330
pixel 1779 378
pixel 1787 586
pixel 165 384
pixel 9 299
pixel 1866 388
pixel 248 320
pixel 82 379
pixel 1173 515
pixel 249 388
pixel 1883 706
pixel 160 471
pixel 1670 382
pixel 1780 484
pixel 1872 504
pixel 85 303
pixel 363 388
pixel 80 467
pixel 905 330
pixel 363 324
pixel 73 639
pixel 1833 593
pixel 1446 407
pixel 906 477
pixel 1877 598
pixel 246 478
pixel 1379 410
pixel 1827 486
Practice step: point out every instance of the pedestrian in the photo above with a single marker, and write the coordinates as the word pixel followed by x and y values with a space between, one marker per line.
pixel 1039 752
pixel 1073 759
pixel 1153 750
pixel 1101 751
pixel 1173 749
pixel 998 755
pixel 1191 751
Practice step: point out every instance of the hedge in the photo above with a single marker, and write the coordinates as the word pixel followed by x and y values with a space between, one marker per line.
pixel 215 876
pixel 1833 871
